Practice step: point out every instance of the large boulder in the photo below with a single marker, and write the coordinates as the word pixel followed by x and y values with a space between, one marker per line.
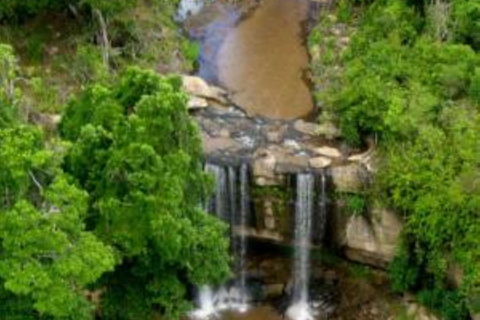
pixel 214 144
pixel 264 164
pixel 370 239
pixel 307 128
pixel 320 162
pixel 199 88
pixel 349 178
pixel 327 151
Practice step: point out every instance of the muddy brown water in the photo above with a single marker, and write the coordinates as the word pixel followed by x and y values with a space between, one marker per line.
pixel 261 58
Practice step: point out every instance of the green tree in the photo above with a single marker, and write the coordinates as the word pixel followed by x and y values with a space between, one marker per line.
pixel 9 92
pixel 137 152
pixel 47 259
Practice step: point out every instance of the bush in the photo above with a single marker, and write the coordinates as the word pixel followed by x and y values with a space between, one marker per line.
pixel 449 303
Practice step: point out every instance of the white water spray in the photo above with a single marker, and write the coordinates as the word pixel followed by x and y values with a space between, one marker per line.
pixel 304 208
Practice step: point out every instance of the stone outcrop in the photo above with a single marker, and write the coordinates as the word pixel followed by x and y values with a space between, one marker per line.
pixel 278 149
pixel 370 239
pixel 351 177
pixel 200 92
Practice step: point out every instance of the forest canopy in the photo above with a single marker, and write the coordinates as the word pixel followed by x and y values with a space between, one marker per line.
pixel 112 205
pixel 409 80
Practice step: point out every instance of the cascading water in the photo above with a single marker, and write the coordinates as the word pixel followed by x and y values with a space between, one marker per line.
pixel 219 202
pixel 244 216
pixel 322 216
pixel 304 209
pixel 227 205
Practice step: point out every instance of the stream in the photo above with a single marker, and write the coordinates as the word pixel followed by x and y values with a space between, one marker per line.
pixel 257 51
pixel 259 56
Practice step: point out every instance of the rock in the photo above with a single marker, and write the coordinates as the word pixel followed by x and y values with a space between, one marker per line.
pixel 328 152
pixel 264 168
pixel 417 312
pixel 455 274
pixel 344 41
pixel 373 241
pixel 224 133
pixel 349 178
pixel 47 121
pixel 269 218
pixel 211 145
pixel 291 163
pixel 197 87
pixel 273 290
pixel 329 130
pixel 212 127
pixel 307 128
pixel 320 162
pixel 274 136
pixel 330 277
pixel 292 145
pixel 275 133
pixel 196 103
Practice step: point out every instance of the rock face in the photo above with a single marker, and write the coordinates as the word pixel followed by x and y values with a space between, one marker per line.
pixel 276 150
pixel 418 312
pixel 371 240
pixel 264 169
pixel 349 178
pixel 200 92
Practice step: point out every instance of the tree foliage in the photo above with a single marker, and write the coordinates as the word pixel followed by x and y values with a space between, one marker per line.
pixel 9 92
pixel 410 78
pixel 47 258
pixel 137 153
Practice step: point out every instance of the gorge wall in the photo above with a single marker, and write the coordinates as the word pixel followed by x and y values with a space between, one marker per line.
pixel 275 152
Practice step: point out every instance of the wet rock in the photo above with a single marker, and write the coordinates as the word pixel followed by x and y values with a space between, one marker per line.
pixel 224 133
pixel 291 163
pixel 320 162
pixel 196 103
pixel 330 277
pixel 273 290
pixel 210 126
pixel 275 133
pixel 269 217
pixel 264 168
pixel 211 144
pixel 307 128
pixel 197 87
pixel 328 152
pixel 292 145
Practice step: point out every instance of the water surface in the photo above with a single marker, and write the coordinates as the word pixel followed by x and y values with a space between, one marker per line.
pixel 261 59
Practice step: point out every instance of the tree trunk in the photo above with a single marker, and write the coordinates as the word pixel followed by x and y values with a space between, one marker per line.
pixel 105 41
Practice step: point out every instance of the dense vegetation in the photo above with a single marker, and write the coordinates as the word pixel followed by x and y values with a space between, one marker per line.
pixel 409 78
pixel 104 217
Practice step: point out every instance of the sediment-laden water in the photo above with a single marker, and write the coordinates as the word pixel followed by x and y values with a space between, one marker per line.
pixel 261 58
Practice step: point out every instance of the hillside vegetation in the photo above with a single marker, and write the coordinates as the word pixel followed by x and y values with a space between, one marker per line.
pixel 406 74
pixel 102 217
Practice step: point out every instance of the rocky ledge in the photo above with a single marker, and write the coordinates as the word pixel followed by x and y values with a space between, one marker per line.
pixel 274 148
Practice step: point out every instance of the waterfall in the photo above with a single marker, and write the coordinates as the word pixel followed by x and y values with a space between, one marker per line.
pixel 219 202
pixel 226 205
pixel 322 217
pixel 304 210
pixel 187 8
pixel 244 217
